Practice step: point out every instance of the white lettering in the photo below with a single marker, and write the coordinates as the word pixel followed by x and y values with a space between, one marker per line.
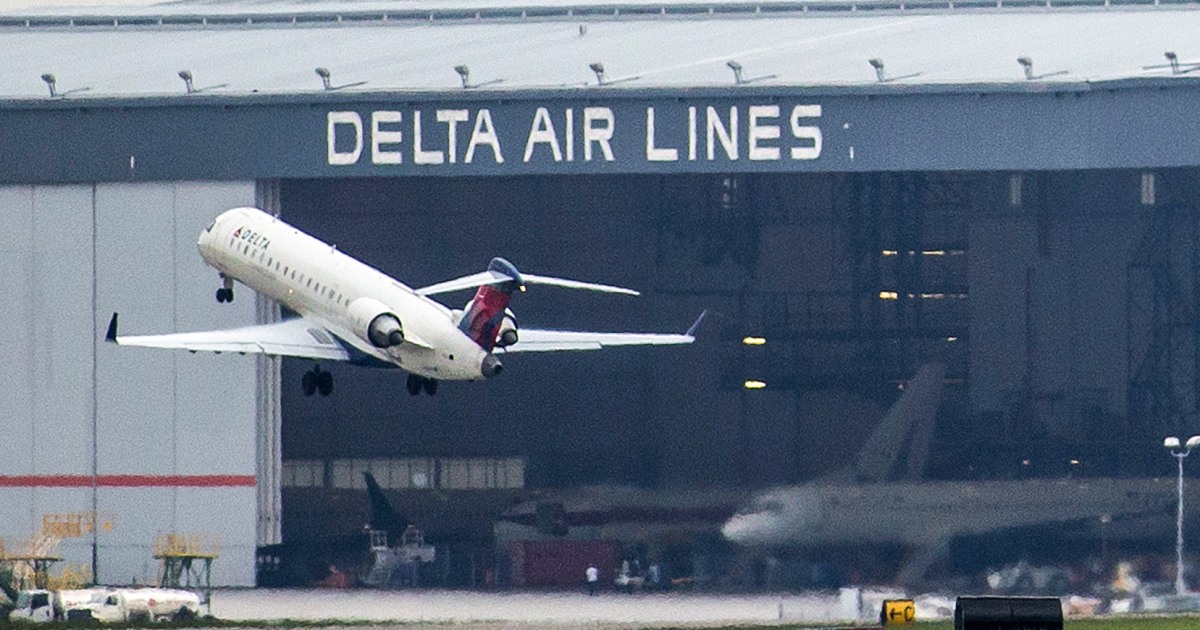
pixel 809 133
pixel 484 133
pixel 759 132
pixel 380 137
pixel 420 156
pixel 600 135
pixel 542 131
pixel 727 135
pixel 452 117
pixel 692 134
pixel 339 158
pixel 654 154
pixel 570 134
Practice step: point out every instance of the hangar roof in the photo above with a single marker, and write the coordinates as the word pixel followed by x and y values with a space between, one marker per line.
pixel 138 49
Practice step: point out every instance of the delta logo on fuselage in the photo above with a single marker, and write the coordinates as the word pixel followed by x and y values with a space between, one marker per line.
pixel 696 133
pixel 252 238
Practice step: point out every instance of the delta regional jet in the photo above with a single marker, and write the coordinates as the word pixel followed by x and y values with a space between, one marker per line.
pixel 349 311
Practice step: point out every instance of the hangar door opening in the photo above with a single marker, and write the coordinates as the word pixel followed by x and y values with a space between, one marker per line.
pixel 1061 303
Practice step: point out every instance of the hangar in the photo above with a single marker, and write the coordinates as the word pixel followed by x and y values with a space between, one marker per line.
pixel 1006 187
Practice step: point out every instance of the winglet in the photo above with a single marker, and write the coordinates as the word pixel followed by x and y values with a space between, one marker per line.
pixel 691 332
pixel 111 335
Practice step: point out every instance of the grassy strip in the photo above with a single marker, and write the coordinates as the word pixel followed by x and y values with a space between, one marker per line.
pixel 1184 622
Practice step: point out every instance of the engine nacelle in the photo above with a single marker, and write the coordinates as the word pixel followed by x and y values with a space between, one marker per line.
pixel 507 334
pixel 375 323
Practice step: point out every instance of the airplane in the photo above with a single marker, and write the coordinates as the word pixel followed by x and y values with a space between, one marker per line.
pixel 883 498
pixel 349 311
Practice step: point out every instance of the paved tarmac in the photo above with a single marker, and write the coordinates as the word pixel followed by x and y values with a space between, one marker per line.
pixel 488 611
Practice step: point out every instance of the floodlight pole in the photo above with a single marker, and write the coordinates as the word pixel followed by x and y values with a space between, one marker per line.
pixel 1180 453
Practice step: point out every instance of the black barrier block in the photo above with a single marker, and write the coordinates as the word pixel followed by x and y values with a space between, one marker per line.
pixel 1008 613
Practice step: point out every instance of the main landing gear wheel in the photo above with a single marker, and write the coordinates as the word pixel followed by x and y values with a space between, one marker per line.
pixel 415 384
pixel 225 293
pixel 317 380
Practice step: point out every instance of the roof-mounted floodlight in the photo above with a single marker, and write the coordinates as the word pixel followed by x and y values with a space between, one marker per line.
pixel 598 68
pixel 1027 66
pixel 882 76
pixel 325 77
pixel 877 63
pixel 1174 64
pixel 737 71
pixel 186 75
pixel 52 83
pixel 327 80
pixel 464 73
pixel 739 79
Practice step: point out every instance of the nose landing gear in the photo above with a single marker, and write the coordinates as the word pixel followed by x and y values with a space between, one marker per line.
pixel 225 293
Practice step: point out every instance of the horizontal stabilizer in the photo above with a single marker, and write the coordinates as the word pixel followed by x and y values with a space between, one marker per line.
pixel 534 340
pixel 501 271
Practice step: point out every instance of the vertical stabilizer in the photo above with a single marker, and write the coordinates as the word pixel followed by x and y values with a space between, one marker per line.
pixel 899 446
pixel 485 312
pixel 382 515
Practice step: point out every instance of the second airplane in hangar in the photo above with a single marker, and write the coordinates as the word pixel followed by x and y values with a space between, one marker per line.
pixel 349 311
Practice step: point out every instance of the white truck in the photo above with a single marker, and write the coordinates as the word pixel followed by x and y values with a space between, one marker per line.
pixel 106 605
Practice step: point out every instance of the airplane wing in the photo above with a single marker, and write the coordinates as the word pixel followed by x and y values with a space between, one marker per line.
pixel 290 338
pixel 534 340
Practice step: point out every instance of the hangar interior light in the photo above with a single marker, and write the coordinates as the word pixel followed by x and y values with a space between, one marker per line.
pixel 754 341
pixel 754 384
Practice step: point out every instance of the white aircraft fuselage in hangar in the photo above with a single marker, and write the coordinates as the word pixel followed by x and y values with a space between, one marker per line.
pixel 349 311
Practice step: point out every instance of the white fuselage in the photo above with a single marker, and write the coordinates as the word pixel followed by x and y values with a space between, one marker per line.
pixel 328 287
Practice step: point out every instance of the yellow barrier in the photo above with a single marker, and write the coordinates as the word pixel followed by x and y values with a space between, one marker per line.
pixel 897 612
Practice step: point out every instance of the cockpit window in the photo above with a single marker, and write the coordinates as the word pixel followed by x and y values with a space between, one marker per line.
pixel 210 226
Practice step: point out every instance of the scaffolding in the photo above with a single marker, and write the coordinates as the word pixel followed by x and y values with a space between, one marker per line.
pixel 30 567
pixel 186 562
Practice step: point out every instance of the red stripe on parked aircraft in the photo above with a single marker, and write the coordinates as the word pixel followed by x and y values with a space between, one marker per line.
pixel 127 481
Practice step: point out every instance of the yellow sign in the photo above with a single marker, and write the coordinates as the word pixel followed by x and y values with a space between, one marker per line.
pixel 898 612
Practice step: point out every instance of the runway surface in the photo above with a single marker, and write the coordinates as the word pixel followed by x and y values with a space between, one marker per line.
pixel 510 609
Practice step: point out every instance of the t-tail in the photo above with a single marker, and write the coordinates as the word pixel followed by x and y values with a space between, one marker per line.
pixel 485 313
pixel 486 318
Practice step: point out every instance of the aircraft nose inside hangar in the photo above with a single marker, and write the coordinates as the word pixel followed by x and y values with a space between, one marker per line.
pixel 941 204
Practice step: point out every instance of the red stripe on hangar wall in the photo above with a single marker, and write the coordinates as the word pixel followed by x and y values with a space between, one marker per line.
pixel 127 481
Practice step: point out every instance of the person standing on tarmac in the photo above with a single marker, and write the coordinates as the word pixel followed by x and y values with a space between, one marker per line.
pixel 593 577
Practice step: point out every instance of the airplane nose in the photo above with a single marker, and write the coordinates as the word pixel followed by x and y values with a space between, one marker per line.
pixel 491 366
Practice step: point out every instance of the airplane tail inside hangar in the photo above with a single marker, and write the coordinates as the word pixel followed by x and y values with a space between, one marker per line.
pixel 1029 222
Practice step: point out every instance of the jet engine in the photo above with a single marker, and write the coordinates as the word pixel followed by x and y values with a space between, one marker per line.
pixel 375 323
pixel 507 335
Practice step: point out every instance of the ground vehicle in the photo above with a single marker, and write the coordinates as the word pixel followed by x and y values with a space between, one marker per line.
pixel 106 605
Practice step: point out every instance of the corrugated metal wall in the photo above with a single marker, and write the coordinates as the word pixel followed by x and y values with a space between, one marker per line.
pixel 148 442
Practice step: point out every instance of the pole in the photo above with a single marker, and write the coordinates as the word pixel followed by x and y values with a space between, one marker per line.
pixel 1180 585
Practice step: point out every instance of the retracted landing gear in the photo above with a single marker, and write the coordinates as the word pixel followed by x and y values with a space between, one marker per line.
pixel 225 293
pixel 317 380
pixel 417 383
